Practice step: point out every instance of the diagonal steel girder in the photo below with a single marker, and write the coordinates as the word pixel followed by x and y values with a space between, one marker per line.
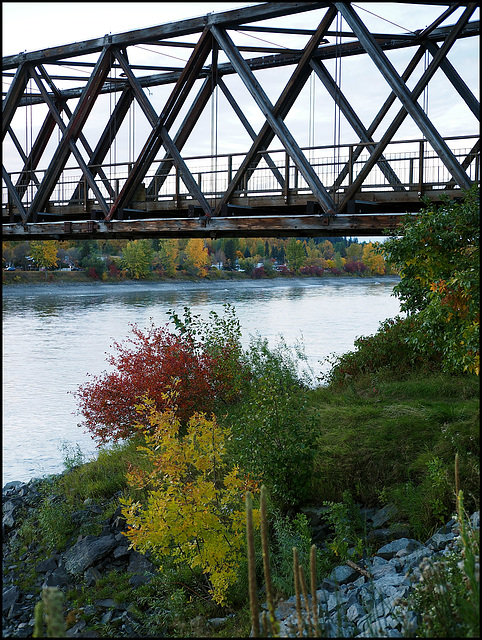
pixel 454 77
pixel 9 107
pixel 13 97
pixel 467 161
pixel 81 136
pixel 353 119
pixel 74 127
pixel 14 195
pixel 399 118
pixel 31 161
pixel 71 145
pixel 181 137
pixel 380 116
pixel 159 134
pixel 407 97
pixel 105 142
pixel 17 191
pixel 251 132
pixel 187 127
pixel 280 110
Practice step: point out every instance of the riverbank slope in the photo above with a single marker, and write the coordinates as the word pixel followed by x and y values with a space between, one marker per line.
pixel 390 448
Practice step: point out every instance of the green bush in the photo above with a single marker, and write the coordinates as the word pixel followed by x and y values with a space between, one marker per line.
pixel 55 523
pixel 437 256
pixel 425 504
pixel 286 533
pixel 348 528
pixel 389 349
pixel 272 433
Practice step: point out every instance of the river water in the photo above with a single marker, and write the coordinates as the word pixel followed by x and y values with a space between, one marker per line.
pixel 55 335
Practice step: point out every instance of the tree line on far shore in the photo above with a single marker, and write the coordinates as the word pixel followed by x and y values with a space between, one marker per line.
pixel 256 257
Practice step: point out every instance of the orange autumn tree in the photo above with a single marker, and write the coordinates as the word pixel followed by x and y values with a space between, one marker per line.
pixel 195 507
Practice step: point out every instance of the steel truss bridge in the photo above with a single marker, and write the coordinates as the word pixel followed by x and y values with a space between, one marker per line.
pixel 62 181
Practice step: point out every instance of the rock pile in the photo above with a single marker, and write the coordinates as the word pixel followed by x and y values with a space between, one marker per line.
pixel 354 604
pixel 82 564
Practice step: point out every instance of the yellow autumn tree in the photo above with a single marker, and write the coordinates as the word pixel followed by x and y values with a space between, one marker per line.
pixel 197 257
pixel 313 255
pixel 44 252
pixel 137 258
pixel 195 511
pixel 354 252
pixel 168 255
pixel 374 261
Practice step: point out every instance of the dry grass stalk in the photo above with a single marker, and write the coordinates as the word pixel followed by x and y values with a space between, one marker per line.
pixel 267 571
pixel 314 603
pixel 305 597
pixel 253 590
pixel 297 589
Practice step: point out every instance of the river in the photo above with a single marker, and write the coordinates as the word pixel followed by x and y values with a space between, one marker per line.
pixel 55 335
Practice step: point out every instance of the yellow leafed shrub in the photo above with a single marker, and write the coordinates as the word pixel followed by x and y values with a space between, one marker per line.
pixel 195 508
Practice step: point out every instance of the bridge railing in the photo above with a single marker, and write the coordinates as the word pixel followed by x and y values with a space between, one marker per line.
pixel 410 165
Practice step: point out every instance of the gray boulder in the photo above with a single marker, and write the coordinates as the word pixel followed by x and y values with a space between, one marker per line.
pixel 398 547
pixel 9 597
pixel 383 515
pixel 344 574
pixel 88 552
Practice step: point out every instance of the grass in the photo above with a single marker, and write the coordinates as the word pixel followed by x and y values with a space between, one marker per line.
pixel 369 443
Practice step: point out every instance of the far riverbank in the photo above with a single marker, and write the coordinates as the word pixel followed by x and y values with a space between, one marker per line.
pixel 55 285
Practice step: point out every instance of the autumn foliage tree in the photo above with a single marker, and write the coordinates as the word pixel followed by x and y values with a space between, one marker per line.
pixel 197 257
pixel 372 259
pixel 44 252
pixel 138 255
pixel 437 256
pixel 194 513
pixel 168 254
pixel 202 359
pixel 295 254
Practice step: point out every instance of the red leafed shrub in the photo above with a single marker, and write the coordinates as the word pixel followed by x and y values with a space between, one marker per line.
pixel 259 273
pixel 311 271
pixel 147 363
pixel 355 267
pixel 114 270
pixel 283 269
pixel 92 273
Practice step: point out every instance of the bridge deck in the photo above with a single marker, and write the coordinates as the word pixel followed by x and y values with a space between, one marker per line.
pixel 261 207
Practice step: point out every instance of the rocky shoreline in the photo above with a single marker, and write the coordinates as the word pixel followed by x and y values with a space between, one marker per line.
pixel 360 599
pixel 368 598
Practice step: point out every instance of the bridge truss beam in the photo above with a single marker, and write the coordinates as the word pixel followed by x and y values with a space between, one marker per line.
pixel 102 202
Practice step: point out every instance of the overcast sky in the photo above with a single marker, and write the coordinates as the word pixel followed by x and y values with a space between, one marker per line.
pixel 29 26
